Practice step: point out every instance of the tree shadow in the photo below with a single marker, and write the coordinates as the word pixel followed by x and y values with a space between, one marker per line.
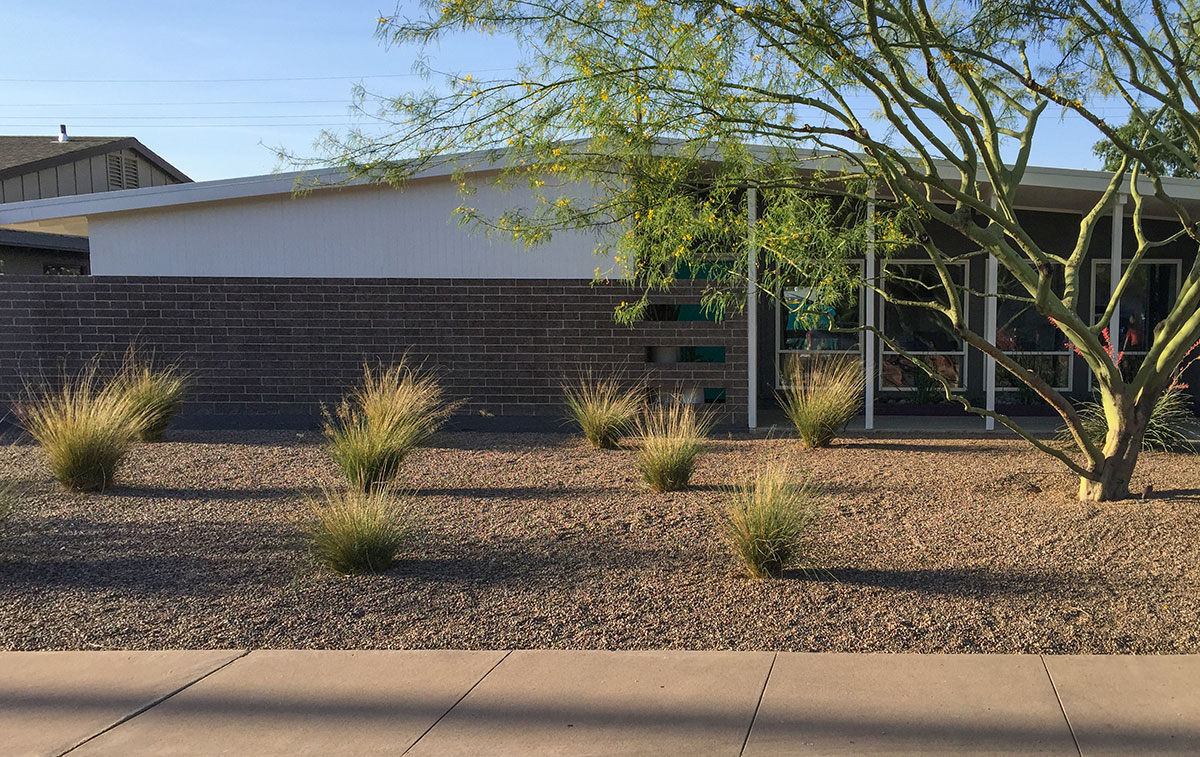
pixel 515 492
pixel 177 558
pixel 222 495
pixel 184 558
pixel 919 445
pixel 979 582
pixel 1173 493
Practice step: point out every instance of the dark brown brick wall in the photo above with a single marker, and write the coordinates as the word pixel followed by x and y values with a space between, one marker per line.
pixel 272 348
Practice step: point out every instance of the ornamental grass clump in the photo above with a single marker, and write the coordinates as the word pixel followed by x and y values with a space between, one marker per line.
pixel 86 428
pixel 768 520
pixel 155 394
pixel 1169 428
pixel 355 531
pixel 822 395
pixel 671 436
pixel 603 408
pixel 390 413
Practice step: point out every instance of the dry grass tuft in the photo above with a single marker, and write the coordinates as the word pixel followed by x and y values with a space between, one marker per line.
pixel 822 395
pixel 390 413
pixel 603 408
pixel 356 532
pixel 767 520
pixel 86 428
pixel 155 394
pixel 670 435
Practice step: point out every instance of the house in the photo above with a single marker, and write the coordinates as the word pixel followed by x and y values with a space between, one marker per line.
pixel 35 168
pixel 275 299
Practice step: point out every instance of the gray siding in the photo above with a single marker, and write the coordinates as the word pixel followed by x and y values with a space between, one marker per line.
pixel 80 177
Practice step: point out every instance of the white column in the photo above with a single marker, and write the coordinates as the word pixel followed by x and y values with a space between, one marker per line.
pixel 990 304
pixel 869 315
pixel 1114 271
pixel 989 333
pixel 751 310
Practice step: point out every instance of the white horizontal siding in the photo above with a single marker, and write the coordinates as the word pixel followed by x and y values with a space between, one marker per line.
pixel 358 232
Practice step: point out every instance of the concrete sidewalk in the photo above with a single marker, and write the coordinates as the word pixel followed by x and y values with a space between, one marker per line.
pixel 602 703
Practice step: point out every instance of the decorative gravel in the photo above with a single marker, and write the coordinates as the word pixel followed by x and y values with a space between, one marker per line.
pixel 527 541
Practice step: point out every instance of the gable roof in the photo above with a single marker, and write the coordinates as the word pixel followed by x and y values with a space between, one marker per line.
pixel 21 155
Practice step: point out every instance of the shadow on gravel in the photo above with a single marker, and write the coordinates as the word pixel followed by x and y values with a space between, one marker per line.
pixel 516 492
pixel 175 558
pixel 225 495
pixel 918 445
pixel 1172 493
pixel 527 563
pixel 956 582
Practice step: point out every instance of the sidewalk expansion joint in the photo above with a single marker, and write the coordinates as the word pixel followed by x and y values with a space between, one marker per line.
pixel 456 703
pixel 758 704
pixel 156 702
pixel 1061 708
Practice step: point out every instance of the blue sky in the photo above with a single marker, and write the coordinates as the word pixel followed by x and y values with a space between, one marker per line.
pixel 56 50
pixel 100 68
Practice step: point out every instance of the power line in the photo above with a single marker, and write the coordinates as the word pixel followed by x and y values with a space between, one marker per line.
pixel 85 125
pixel 175 102
pixel 229 81
pixel 89 119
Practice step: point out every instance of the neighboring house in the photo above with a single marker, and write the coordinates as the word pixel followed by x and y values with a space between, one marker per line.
pixel 36 168
pixel 276 299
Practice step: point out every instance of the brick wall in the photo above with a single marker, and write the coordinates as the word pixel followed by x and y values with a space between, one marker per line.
pixel 265 350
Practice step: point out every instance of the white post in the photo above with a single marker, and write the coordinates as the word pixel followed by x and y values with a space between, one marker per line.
pixel 869 316
pixel 751 310
pixel 990 304
pixel 1114 271
pixel 989 333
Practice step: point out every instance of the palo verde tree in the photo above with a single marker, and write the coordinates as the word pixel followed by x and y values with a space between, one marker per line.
pixel 666 111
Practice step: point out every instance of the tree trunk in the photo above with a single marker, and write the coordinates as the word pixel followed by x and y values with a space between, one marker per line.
pixel 1126 426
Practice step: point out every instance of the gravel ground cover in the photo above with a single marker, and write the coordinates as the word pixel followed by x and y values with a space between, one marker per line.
pixel 533 541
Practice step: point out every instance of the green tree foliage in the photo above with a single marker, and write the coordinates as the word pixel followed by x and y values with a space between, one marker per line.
pixel 1164 143
pixel 651 121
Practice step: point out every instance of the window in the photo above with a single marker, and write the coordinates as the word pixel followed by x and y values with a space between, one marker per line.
pixel 807 327
pixel 924 333
pixel 1147 299
pixel 1029 337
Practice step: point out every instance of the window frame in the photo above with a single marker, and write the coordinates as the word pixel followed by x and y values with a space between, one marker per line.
pixel 882 315
pixel 780 352
pixel 1066 352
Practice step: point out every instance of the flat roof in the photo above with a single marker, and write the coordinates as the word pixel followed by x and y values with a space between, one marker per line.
pixel 1043 188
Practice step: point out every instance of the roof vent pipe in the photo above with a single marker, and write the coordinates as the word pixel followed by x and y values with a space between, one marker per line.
pixel 62 133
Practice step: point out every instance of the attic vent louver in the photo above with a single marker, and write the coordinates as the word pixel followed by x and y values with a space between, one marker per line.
pixel 122 171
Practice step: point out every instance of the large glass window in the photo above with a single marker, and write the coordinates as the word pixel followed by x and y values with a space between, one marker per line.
pixel 926 334
pixel 1029 337
pixel 1147 299
pixel 810 326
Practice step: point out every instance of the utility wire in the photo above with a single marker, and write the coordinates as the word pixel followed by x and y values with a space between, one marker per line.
pixel 90 119
pixel 174 102
pixel 229 81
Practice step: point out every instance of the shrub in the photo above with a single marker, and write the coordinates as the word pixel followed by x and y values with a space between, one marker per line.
pixel 86 429
pixel 822 395
pixel 155 395
pixel 767 520
pixel 382 420
pixel 671 435
pixel 603 409
pixel 356 532
pixel 1170 422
